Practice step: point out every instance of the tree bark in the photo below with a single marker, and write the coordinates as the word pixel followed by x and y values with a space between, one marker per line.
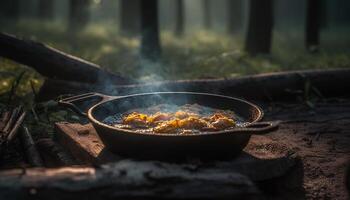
pixel 260 27
pixel 312 35
pixel 53 63
pixel 130 16
pixel 179 24
pixel 235 17
pixel 46 9
pixel 150 44
pixel 78 14
pixel 206 14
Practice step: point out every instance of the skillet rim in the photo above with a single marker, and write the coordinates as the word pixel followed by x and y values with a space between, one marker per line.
pixel 112 98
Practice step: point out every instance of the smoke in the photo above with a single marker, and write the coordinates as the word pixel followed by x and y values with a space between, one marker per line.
pixel 151 80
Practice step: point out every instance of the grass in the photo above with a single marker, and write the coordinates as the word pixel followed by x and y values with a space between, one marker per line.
pixel 199 54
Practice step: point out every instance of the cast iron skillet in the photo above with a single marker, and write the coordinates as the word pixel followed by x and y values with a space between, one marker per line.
pixel 213 145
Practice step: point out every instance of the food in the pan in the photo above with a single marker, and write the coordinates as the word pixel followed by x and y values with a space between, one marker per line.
pixel 164 118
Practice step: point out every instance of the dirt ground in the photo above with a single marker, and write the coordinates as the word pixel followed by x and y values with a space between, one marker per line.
pixel 321 137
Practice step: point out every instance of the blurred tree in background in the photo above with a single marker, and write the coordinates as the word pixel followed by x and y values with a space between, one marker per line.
pixel 46 9
pixel 179 22
pixel 78 14
pixel 260 26
pixel 10 10
pixel 130 16
pixel 313 17
pixel 235 16
pixel 150 44
pixel 207 14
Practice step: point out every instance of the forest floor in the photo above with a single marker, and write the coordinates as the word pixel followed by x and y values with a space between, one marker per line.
pixel 321 138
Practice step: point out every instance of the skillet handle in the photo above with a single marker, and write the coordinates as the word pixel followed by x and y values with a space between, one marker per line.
pixel 260 128
pixel 83 102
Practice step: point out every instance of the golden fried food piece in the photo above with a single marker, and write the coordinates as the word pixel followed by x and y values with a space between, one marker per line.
pixel 183 114
pixel 158 117
pixel 192 123
pixel 167 126
pixel 217 116
pixel 222 123
pixel 187 123
pixel 136 119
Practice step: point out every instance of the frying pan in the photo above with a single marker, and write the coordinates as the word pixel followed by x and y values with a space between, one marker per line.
pixel 213 145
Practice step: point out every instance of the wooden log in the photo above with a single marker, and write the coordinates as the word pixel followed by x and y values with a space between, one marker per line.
pixel 53 63
pixel 262 158
pixel 263 87
pixel 125 180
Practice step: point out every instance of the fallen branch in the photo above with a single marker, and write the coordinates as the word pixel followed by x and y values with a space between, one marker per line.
pixel 264 87
pixel 53 63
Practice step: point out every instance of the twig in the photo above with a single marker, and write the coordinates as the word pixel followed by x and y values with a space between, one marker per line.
pixel 11 120
pixel 15 128
pixel 30 149
pixel 14 87
pixel 4 118
pixel 36 118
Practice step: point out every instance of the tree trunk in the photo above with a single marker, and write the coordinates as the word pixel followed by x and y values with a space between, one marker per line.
pixel 150 45
pixel 235 13
pixel 78 14
pixel 46 9
pixel 312 35
pixel 179 24
pixel 130 16
pixel 260 27
pixel 324 15
pixel 206 14
pixel 9 10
